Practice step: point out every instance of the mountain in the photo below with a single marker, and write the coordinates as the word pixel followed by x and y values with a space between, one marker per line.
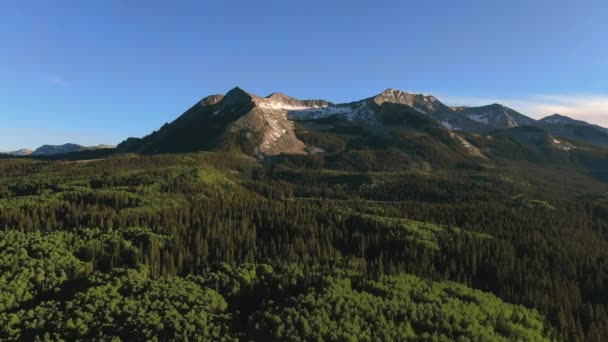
pixel 500 117
pixel 568 128
pixel 48 150
pixel 496 116
pixel 366 111
pixel 558 119
pixel 237 120
pixel 21 152
pixel 388 131
pixel 267 125
pixel 57 149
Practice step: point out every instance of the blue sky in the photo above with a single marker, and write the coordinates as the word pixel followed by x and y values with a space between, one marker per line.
pixel 94 72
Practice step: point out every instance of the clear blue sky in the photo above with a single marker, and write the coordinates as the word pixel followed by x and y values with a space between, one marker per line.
pixel 95 72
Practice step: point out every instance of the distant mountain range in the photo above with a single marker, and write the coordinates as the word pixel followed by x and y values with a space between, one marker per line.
pixel 279 123
pixel 48 150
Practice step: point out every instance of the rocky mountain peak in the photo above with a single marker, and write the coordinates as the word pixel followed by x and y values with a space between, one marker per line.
pixel 237 93
pixel 286 102
pixel 279 97
pixel 397 96
pixel 419 102
pixel 237 97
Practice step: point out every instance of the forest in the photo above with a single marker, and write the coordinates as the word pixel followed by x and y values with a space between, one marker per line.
pixel 218 246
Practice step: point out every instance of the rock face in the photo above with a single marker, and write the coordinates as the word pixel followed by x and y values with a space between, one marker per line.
pixel 265 128
pixel 422 103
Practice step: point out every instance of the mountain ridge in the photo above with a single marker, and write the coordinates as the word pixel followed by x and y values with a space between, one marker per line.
pixel 266 125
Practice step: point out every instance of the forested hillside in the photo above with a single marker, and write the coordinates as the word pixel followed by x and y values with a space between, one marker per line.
pixel 217 246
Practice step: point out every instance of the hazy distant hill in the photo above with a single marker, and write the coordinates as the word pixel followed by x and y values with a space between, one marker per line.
pixel 48 150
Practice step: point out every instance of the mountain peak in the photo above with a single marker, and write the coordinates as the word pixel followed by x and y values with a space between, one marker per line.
pixel 566 120
pixel 568 127
pixel 393 92
pixel 279 96
pixel 237 97
pixel 496 115
pixel 559 119
pixel 420 102
pixel 286 102
pixel 389 90
pixel 555 115
pixel 237 91
pixel 237 88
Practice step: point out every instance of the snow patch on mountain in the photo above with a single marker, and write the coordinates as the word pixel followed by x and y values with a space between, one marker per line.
pixel 447 124
pixel 478 118
pixel 419 110
pixel 562 145
pixel 361 110
pixel 275 132
pixel 284 106
pixel 555 120
pixel 472 149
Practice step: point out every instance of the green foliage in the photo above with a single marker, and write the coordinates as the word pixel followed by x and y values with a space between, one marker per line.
pixel 299 232
pixel 125 304
pixel 522 201
pixel 34 264
pixel 395 308
pixel 425 234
